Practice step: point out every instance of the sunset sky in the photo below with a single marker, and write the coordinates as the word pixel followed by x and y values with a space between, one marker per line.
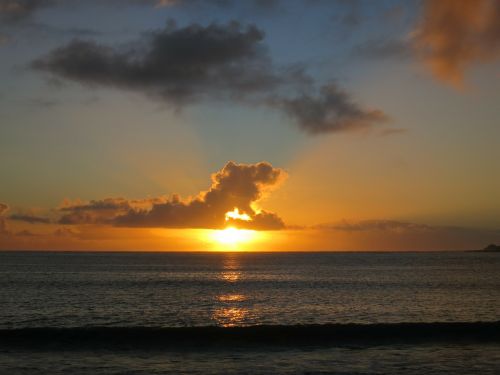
pixel 318 124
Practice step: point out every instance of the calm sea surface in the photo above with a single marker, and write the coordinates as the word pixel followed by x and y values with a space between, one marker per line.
pixel 244 289
pixel 175 289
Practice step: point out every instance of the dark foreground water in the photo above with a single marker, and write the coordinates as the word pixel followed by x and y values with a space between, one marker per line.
pixel 155 313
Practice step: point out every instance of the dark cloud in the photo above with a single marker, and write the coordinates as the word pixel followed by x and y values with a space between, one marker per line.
pixel 377 225
pixel 94 212
pixel 30 219
pixel 455 35
pixel 176 64
pixel 330 110
pixel 7 233
pixel 236 186
pixel 183 65
pixel 403 227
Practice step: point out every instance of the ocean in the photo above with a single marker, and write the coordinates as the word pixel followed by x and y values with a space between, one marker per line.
pixel 225 313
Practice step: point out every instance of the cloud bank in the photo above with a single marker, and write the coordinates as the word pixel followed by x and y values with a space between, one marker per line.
pixel 376 225
pixel 234 186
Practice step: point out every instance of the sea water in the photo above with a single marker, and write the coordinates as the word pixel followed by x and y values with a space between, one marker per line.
pixel 49 290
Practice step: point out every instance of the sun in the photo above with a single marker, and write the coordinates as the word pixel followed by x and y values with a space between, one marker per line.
pixel 233 236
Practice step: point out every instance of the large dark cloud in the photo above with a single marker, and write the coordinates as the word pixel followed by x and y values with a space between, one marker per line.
pixel 176 64
pixel 181 65
pixel 330 110
pixel 236 186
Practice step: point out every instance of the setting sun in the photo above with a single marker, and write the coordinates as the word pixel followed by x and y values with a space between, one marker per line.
pixel 233 236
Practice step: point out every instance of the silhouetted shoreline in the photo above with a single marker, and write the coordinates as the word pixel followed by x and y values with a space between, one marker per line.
pixel 492 248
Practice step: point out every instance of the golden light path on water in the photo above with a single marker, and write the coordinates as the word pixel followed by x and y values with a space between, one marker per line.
pixel 232 310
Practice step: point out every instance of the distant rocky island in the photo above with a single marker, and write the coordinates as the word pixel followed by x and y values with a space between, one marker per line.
pixel 492 248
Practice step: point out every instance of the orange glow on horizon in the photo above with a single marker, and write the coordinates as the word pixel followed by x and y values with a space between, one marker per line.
pixel 232 236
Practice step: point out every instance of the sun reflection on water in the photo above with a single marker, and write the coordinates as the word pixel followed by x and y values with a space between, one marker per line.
pixel 230 271
pixel 230 311
pixel 231 298
pixel 230 316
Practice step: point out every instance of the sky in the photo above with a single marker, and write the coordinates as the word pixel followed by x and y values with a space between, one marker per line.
pixel 307 125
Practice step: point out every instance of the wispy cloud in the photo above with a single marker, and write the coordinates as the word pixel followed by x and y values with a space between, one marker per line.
pixel 375 225
pixel 455 35
pixel 31 219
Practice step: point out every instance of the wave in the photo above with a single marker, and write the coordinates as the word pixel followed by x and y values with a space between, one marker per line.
pixel 283 335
